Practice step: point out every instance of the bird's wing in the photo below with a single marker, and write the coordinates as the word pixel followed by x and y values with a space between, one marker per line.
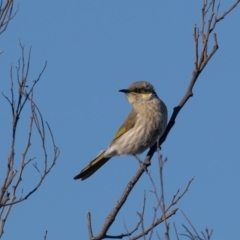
pixel 127 125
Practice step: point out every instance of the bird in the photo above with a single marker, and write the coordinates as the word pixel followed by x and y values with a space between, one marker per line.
pixel 142 128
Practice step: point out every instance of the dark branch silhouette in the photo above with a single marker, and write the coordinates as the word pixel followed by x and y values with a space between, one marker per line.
pixel 201 38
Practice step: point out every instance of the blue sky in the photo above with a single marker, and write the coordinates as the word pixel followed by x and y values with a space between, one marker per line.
pixel 93 49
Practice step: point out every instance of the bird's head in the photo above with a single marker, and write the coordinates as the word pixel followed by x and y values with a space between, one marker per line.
pixel 139 91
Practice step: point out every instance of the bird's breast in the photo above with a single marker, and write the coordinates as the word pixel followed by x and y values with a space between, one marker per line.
pixel 150 125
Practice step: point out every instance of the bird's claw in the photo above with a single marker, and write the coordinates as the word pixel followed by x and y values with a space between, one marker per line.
pixel 142 164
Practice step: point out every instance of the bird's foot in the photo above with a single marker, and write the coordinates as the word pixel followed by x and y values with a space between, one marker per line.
pixel 158 148
pixel 141 163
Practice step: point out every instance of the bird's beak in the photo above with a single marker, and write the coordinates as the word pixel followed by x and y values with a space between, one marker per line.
pixel 124 90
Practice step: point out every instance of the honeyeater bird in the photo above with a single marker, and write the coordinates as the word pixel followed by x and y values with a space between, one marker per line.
pixel 142 128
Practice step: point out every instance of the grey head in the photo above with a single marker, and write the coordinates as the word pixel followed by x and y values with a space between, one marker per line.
pixel 139 91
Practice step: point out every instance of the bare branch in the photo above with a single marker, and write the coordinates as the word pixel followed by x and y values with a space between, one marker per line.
pixel 6 14
pixel 45 236
pixel 190 224
pixel 175 199
pixel 161 200
pixel 193 234
pixel 111 217
pixel 47 167
pixel 202 62
pixel 162 203
pixel 202 57
pixel 141 215
pixel 129 233
pixel 89 224
pixel 13 177
pixel 157 222
pixel 176 232
pixel 228 11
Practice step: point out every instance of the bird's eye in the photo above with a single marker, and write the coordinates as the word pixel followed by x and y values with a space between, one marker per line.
pixel 139 90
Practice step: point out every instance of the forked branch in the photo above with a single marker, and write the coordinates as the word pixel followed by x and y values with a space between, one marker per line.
pixel 14 175
pixel 6 14
pixel 203 55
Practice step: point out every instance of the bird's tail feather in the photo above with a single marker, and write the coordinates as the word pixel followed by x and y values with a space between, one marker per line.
pixel 92 167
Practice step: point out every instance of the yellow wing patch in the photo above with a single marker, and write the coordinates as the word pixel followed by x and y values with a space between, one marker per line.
pixel 127 125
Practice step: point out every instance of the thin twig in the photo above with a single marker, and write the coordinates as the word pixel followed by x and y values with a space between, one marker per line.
pixel 190 224
pixel 45 236
pixel 199 65
pixel 156 223
pixel 89 224
pixel 176 232
pixel 141 215
pixel 13 177
pixel 162 203
pixel 6 14
pixel 193 234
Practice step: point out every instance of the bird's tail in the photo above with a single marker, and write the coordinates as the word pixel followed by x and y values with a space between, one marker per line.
pixel 92 167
